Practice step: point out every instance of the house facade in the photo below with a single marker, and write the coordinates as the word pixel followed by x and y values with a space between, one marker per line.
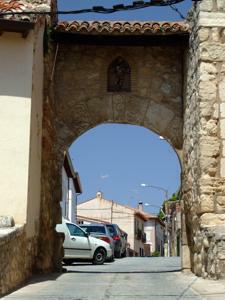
pixel 71 188
pixel 127 218
pixel 155 231
pixel 173 213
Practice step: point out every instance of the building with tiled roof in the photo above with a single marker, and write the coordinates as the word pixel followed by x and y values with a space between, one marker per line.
pixel 129 219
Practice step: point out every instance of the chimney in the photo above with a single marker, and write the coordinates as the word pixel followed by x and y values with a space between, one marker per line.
pixel 140 205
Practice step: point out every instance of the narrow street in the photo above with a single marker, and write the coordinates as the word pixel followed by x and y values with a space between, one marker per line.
pixel 128 278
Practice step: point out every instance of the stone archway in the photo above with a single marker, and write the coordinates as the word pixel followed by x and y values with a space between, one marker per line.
pixel 80 98
pixel 162 97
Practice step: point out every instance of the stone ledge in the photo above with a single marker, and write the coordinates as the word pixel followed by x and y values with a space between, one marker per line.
pixel 6 221
pixel 6 234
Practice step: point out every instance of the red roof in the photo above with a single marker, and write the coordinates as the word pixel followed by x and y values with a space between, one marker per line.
pixel 123 27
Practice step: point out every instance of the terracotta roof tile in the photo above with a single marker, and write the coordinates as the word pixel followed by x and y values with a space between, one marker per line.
pixel 13 6
pixel 123 27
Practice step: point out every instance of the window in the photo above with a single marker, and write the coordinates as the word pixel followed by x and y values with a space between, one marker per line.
pixel 74 230
pixel 119 76
pixel 91 229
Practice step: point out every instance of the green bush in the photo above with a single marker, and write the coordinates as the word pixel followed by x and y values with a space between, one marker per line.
pixel 156 253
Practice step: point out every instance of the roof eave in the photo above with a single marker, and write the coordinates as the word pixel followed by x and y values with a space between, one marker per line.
pixel 17 26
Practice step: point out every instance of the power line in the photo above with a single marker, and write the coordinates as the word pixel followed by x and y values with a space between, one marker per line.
pixel 177 11
pixel 100 9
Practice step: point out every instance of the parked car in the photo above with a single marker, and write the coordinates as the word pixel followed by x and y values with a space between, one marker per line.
pixel 78 245
pixel 100 231
pixel 120 240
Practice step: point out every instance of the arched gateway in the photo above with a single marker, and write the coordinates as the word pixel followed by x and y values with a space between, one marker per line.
pixel 167 77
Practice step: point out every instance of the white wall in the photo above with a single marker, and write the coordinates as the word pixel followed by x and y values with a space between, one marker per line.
pixel 16 74
pixel 150 233
pixel 69 200
pixel 72 201
pixel 65 190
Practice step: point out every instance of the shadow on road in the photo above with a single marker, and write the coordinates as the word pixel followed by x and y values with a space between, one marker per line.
pixel 125 272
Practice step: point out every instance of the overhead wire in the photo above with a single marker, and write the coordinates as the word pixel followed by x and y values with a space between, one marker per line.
pixel 100 9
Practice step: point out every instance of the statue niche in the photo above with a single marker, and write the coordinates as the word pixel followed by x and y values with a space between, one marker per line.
pixel 119 76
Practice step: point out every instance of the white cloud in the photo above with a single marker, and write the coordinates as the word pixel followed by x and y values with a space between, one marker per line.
pixel 104 176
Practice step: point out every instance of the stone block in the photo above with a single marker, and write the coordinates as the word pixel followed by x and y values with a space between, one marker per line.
pixel 211 19
pixel 207 90
pixel 222 167
pixel 221 4
pixel 206 5
pixel 220 200
pixel 220 209
pixel 6 221
pixel 215 111
pixel 206 204
pixel 222 110
pixel 223 148
pixel 211 220
pixel 209 148
pixel 221 87
pixel 158 116
pixel 215 34
pixel 212 51
pixel 222 128
pixel 203 34
pixel 207 68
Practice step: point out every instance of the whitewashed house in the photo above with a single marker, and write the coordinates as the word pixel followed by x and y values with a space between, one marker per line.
pixel 154 230
pixel 71 188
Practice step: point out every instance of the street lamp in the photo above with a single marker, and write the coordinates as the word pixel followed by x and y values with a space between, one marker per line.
pixel 165 191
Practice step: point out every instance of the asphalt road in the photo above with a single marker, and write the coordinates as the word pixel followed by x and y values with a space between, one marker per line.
pixel 127 278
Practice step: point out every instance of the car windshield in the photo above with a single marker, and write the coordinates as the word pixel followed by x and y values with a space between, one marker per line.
pixel 94 229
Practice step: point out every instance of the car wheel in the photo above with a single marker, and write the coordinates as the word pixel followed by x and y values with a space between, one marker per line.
pixel 99 256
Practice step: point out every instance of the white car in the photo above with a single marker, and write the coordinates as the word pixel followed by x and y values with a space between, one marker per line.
pixel 78 245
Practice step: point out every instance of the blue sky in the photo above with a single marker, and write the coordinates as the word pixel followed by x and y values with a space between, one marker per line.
pixel 147 14
pixel 116 158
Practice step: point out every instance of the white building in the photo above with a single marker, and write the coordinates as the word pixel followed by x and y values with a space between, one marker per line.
pixel 154 230
pixel 71 188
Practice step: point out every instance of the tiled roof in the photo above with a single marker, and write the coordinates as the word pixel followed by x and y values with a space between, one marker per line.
pixel 15 6
pixel 11 6
pixel 123 27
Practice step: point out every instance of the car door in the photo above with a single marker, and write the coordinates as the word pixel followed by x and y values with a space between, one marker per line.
pixel 76 244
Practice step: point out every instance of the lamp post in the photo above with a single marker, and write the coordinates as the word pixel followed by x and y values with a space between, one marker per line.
pixel 165 191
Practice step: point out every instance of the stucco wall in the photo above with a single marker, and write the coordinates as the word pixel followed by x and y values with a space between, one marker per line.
pixel 16 60
pixel 150 233
pixel 21 91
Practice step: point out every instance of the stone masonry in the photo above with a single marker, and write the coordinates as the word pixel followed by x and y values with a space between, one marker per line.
pixel 176 90
pixel 204 132
pixel 17 255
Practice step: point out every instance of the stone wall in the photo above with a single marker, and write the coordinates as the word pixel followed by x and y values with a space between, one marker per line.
pixel 204 133
pixel 50 243
pixel 17 257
